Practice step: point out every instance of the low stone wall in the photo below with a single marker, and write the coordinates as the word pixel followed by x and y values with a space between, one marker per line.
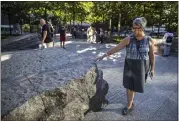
pixel 50 84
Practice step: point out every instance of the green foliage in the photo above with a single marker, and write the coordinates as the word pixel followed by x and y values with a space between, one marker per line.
pixel 117 39
pixel 26 28
pixel 156 12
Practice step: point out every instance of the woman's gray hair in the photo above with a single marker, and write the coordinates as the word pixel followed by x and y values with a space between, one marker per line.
pixel 141 21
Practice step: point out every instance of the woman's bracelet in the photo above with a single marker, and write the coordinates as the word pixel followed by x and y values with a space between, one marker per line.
pixel 107 54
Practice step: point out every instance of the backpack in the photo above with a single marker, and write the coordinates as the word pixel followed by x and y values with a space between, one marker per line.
pixel 169 39
pixel 50 28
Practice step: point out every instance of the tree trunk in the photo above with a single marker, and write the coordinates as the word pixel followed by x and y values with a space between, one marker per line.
pixel 119 22
pixel 158 30
pixel 70 26
pixel 73 13
pixel 152 27
pixel 160 18
pixel 65 19
pixel 110 24
pixel 10 30
pixel 110 21
pixel 169 22
pixel 103 18
pixel 45 14
pixel 152 24
pixel 29 23
pixel 159 23
pixel 21 29
pixel 144 11
pixel 29 20
pixel 70 23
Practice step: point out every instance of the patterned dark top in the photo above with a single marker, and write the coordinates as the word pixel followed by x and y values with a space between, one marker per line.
pixel 138 50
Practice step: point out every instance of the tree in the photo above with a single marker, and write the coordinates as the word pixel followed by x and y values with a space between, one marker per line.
pixel 115 13
pixel 12 9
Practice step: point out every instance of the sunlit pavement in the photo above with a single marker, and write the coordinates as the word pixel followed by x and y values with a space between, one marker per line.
pixel 158 102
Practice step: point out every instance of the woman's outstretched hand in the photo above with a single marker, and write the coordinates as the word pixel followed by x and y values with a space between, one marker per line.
pixel 100 57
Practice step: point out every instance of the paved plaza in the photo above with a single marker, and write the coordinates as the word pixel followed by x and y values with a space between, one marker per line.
pixel 159 102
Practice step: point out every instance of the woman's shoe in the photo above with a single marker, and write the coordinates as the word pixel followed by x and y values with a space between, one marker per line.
pixel 126 110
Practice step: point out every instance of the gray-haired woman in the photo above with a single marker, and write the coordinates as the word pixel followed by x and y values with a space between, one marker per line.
pixel 139 60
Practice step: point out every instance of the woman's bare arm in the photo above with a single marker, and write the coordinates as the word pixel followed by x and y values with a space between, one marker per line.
pixel 120 46
pixel 151 53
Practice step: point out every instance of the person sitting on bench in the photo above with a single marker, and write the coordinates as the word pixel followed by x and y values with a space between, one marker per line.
pixel 168 38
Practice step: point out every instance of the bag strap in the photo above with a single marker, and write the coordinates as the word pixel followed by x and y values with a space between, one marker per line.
pixel 138 51
pixel 150 65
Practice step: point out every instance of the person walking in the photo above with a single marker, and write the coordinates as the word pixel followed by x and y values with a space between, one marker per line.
pixel 46 34
pixel 101 35
pixel 62 37
pixel 139 61
pixel 74 32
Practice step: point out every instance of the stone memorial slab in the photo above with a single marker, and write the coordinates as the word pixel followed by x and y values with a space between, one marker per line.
pixel 50 84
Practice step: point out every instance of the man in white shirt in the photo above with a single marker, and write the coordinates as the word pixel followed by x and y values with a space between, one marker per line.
pixel 91 35
pixel 168 38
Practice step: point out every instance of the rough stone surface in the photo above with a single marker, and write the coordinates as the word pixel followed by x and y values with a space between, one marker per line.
pixel 21 42
pixel 50 84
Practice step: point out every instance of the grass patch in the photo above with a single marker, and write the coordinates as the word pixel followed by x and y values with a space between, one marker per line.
pixel 117 39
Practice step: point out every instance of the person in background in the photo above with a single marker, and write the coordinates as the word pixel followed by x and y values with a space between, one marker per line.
pixel 74 32
pixel 101 35
pixel 168 38
pixel 39 29
pixel 90 34
pixel 97 35
pixel 46 34
pixel 62 37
